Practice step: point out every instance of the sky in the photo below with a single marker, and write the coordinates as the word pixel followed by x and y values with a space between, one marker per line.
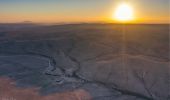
pixel 57 11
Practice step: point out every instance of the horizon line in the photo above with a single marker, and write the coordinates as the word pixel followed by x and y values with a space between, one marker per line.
pixel 62 23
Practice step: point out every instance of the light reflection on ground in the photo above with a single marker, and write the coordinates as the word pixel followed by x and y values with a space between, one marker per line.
pixel 8 91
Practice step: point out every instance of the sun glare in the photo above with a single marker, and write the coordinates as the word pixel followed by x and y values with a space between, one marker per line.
pixel 124 12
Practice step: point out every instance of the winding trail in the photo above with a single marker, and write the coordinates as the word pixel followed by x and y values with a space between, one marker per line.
pixel 52 64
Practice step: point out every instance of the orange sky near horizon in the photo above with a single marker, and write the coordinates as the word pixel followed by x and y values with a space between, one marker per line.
pixel 42 11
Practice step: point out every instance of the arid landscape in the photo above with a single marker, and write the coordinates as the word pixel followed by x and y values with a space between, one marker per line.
pixel 84 62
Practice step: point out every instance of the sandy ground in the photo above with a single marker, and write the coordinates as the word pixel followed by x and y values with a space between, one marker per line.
pixel 8 91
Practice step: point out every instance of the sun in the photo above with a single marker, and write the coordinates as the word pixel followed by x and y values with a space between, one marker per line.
pixel 124 12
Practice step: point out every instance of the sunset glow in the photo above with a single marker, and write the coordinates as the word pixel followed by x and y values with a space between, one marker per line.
pixel 124 12
pixel 56 11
